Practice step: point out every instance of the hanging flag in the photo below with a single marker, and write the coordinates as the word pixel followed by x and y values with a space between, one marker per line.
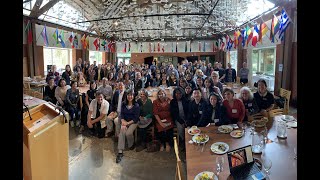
pixel 75 42
pixel 129 47
pixel 44 36
pixel 96 43
pixel 61 39
pixel 83 41
pixel 274 28
pixel 87 42
pixel 249 35
pixel 255 37
pixel 284 23
pixel 229 44
pixel 103 44
pixel 141 47
pixel 162 48
pixel 263 30
pixel 176 46
pixel 190 46
pixel 154 47
pixel 172 46
pixel 29 32
pixel 125 47
pixel 149 47
pixel 243 35
pixel 216 47
pixel 55 36
pixel 236 38
pixel 199 46
pixel 158 47
pixel 186 47
pixel 71 39
pixel 204 46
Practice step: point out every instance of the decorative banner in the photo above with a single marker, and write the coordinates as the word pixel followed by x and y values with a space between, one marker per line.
pixel 44 36
pixel 186 48
pixel 55 36
pixel 172 46
pixel 154 47
pixel 141 47
pixel 190 46
pixel 204 47
pixel 71 40
pixel 87 42
pixel 129 47
pixel 274 28
pixel 263 30
pixel 96 43
pixel 284 23
pixel 255 35
pixel 176 46
pixel 162 48
pixel 149 47
pixel 125 47
pixel 75 42
pixel 83 41
pixel 158 47
pixel 103 44
pixel 29 32
pixel 61 39
pixel 199 46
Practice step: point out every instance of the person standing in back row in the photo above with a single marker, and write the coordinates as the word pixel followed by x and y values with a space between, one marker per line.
pixel 243 73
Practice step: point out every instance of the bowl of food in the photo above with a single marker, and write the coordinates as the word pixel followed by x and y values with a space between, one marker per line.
pixel 200 138
pixel 206 175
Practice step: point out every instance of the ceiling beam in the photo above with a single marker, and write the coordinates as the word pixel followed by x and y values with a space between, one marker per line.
pixel 45 8
pixel 35 8
pixel 150 15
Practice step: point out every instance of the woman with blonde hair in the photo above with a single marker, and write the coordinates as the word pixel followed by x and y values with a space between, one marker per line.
pixel 249 102
pixel 164 123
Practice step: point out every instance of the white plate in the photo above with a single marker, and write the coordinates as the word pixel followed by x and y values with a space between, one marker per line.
pixel 195 140
pixel 210 174
pixel 236 133
pixel 287 118
pixel 292 124
pixel 194 133
pixel 225 129
pixel 215 148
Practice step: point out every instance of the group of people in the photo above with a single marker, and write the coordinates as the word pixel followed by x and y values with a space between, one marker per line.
pixel 121 105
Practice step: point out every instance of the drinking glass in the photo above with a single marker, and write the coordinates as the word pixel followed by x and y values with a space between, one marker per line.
pixel 219 161
pixel 244 127
pixel 266 163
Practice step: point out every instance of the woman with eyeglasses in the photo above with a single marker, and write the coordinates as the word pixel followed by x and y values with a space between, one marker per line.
pixel 164 123
pixel 215 80
pixel 264 98
pixel 249 102
pixel 235 108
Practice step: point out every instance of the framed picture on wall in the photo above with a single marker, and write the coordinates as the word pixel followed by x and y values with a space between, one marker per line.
pixel 170 59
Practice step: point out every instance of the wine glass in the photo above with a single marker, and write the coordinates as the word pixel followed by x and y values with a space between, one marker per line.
pixel 266 163
pixel 244 127
pixel 265 134
pixel 219 161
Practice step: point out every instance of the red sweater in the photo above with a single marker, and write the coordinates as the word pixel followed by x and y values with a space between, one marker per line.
pixel 240 109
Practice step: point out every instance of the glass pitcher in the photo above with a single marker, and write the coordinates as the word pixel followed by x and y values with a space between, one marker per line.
pixel 257 142
pixel 281 129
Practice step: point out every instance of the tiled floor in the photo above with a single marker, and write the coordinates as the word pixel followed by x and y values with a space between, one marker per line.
pixel 91 158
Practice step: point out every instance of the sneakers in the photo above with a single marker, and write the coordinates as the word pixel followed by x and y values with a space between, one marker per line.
pixel 72 124
pixel 78 123
pixel 119 157
pixel 81 129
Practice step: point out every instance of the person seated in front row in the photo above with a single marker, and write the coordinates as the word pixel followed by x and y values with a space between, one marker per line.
pixel 49 90
pixel 264 98
pixel 216 112
pixel 89 96
pixel 129 118
pixel 98 110
pixel 235 108
pixel 72 103
pixel 179 109
pixel 164 123
pixel 116 105
pixel 249 102
pixel 145 119
pixel 61 92
pixel 197 108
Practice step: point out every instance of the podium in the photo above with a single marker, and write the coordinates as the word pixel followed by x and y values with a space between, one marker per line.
pixel 45 144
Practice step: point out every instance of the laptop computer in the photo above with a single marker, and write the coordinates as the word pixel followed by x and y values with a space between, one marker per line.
pixel 242 165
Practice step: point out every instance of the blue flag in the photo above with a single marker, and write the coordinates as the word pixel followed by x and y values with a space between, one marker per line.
pixel 284 23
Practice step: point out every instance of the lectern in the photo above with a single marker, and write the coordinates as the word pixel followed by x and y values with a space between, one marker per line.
pixel 45 144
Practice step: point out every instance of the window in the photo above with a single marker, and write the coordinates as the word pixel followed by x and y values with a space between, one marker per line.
pixel 124 58
pixel 95 56
pixel 263 61
pixel 57 56
pixel 233 59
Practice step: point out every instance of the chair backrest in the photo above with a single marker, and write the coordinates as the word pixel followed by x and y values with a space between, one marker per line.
pixel 26 85
pixel 179 175
pixel 275 112
pixel 286 94
pixel 238 80
pixel 253 117
pixel 38 94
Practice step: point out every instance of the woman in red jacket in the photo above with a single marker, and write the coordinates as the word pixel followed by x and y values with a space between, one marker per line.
pixel 235 107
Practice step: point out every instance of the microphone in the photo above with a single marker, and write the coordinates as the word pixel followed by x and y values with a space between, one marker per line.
pixel 62 111
pixel 27 110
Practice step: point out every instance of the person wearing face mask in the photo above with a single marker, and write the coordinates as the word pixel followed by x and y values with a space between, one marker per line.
pixel 197 108
pixel 264 98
